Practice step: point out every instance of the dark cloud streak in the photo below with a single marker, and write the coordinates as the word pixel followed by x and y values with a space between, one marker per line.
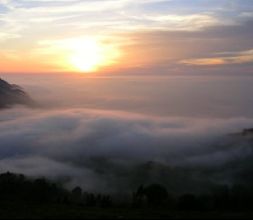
pixel 169 48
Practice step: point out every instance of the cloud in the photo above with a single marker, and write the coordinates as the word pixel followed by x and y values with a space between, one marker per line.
pixel 202 29
pixel 243 57
pixel 168 51
pixel 104 150
pixel 114 15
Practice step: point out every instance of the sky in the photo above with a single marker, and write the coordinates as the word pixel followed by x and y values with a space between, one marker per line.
pixel 100 131
pixel 144 36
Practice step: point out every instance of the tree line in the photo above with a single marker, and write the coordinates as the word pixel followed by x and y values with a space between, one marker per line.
pixel 16 188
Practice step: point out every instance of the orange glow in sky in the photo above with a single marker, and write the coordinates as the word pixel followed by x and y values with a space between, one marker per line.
pixel 96 36
pixel 84 54
pixel 89 55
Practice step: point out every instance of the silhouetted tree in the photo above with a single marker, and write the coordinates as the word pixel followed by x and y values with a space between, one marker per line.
pixel 77 195
pixel 188 202
pixel 139 197
pixel 106 201
pixel 156 194
pixel 221 196
pixel 90 199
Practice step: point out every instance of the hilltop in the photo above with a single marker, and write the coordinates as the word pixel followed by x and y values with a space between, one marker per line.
pixel 11 94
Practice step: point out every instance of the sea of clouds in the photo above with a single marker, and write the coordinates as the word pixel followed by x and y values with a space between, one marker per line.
pixel 113 134
pixel 109 151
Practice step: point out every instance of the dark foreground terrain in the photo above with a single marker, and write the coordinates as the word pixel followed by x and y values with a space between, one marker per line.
pixel 12 94
pixel 21 197
pixel 57 211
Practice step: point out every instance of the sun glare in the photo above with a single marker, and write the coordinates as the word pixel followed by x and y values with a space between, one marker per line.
pixel 88 54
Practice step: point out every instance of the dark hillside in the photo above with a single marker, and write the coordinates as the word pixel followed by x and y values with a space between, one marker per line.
pixel 12 94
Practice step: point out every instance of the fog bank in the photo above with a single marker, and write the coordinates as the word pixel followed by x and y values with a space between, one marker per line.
pixel 112 150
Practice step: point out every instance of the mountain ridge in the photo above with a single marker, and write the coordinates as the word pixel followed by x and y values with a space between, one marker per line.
pixel 11 94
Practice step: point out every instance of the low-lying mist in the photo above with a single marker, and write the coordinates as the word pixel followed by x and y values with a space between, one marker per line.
pixel 113 134
pixel 173 96
pixel 115 151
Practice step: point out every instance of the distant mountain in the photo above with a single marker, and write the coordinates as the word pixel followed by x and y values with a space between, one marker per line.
pixel 12 94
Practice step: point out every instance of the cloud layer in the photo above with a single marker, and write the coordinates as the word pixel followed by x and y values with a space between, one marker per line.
pixel 110 151
pixel 195 29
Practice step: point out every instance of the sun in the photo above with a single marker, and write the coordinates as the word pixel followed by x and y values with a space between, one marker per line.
pixel 83 54
pixel 88 54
